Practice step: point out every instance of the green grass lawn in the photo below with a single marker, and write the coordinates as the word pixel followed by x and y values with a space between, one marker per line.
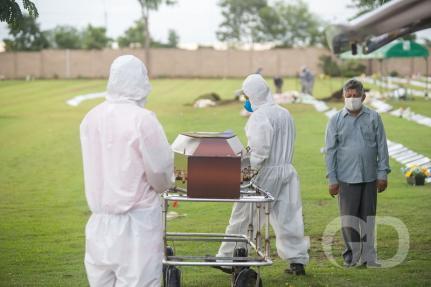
pixel 43 210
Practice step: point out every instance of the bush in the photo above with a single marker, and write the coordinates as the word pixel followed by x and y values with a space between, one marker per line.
pixel 394 74
pixel 347 69
pixel 329 66
pixel 352 69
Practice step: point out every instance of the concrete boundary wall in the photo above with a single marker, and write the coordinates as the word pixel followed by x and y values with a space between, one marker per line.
pixel 179 63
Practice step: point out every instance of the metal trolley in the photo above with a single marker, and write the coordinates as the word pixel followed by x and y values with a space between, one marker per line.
pixel 239 264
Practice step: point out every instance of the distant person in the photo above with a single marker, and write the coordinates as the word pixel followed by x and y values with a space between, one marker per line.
pixel 270 131
pixel 307 81
pixel 127 164
pixel 278 83
pixel 357 163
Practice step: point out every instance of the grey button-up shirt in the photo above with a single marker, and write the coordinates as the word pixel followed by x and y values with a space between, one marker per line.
pixel 356 147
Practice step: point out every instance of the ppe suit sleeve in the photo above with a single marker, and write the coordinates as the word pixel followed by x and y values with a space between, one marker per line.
pixel 156 154
pixel 259 134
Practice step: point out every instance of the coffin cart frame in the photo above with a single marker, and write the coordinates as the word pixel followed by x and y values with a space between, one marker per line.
pixel 241 262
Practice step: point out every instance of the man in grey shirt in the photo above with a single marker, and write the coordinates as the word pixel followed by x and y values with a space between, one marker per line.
pixel 357 163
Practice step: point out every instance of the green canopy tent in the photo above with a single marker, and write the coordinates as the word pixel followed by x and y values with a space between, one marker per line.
pixel 397 49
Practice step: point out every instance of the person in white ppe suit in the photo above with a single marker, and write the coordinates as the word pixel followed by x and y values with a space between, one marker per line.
pixel 270 131
pixel 127 164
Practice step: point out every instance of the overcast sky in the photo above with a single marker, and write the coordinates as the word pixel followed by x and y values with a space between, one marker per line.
pixel 194 20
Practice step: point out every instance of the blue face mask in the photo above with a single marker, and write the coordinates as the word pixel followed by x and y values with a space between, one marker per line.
pixel 247 106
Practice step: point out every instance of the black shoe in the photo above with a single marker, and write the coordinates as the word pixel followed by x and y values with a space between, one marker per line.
pixel 347 257
pixel 353 265
pixel 373 264
pixel 224 269
pixel 296 269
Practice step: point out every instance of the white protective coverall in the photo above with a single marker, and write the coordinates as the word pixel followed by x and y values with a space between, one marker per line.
pixel 270 132
pixel 127 164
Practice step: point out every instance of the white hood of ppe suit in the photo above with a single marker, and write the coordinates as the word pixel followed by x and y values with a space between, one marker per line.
pixel 128 80
pixel 257 90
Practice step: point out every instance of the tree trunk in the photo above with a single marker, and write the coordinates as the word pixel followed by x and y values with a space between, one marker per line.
pixel 145 16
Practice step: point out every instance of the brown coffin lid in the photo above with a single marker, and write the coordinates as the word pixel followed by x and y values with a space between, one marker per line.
pixel 220 144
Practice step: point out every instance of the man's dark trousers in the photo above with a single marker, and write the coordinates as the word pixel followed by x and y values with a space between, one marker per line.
pixel 358 203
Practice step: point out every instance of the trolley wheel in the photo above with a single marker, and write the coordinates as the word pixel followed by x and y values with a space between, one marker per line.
pixel 239 252
pixel 171 276
pixel 247 278
pixel 169 251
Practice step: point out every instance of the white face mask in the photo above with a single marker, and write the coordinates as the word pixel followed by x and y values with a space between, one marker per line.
pixel 353 104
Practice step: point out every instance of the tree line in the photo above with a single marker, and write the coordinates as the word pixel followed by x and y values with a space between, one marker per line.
pixel 244 21
pixel 257 21
pixel 29 37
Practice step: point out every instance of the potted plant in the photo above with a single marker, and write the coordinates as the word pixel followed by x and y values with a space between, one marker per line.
pixel 416 175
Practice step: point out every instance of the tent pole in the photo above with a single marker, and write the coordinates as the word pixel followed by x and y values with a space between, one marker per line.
pixel 387 72
pixel 426 77
pixel 381 75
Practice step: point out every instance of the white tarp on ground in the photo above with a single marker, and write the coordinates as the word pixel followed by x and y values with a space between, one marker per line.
pixel 204 103
pixel 373 100
pixel 407 81
pixel 75 101
pixel 408 157
pixel 320 106
pixel 379 83
pixel 424 79
pixel 296 97
pixel 390 84
pixel 380 106
pixel 411 116
pixel 331 112
pixel 416 93
pixel 287 97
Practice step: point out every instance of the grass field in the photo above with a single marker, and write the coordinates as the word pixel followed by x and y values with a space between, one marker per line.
pixel 43 209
